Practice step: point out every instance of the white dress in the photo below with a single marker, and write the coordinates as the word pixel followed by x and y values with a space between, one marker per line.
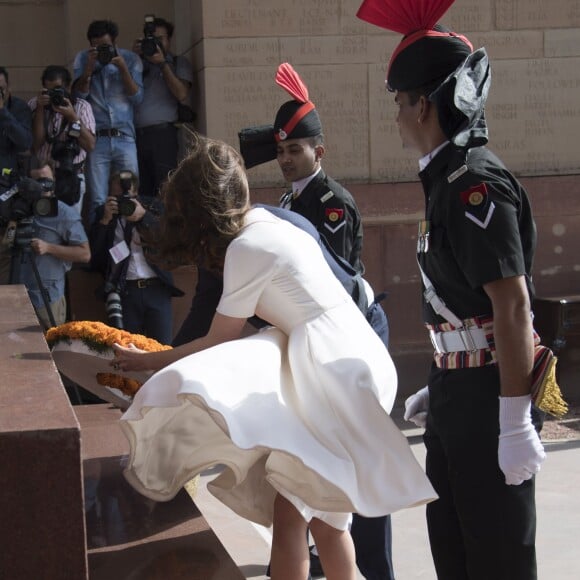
pixel 300 408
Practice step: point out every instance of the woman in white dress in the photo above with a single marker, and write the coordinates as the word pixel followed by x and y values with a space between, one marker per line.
pixel 298 414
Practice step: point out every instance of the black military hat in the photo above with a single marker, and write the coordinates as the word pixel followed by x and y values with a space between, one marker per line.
pixel 428 52
pixel 295 119
pixel 298 118
pixel 257 145
pixel 434 57
pixel 423 58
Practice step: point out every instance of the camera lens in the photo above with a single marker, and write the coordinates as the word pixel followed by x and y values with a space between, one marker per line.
pixel 56 96
pixel 149 46
pixel 126 205
pixel 105 53
pixel 44 207
pixel 114 310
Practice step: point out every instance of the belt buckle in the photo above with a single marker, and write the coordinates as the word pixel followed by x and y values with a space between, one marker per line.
pixel 142 283
pixel 433 336
pixel 467 339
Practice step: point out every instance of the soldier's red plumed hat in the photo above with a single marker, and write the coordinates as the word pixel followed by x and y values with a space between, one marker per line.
pixel 428 52
pixel 295 119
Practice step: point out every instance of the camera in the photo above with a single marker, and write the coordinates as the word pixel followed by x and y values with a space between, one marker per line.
pixel 149 44
pixel 22 198
pixel 125 203
pixel 65 151
pixel 106 53
pixel 57 96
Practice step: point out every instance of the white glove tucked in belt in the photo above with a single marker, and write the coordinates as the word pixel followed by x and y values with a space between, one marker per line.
pixel 416 407
pixel 520 452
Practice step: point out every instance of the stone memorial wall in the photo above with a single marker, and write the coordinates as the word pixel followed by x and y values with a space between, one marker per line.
pixel 533 109
pixel 235 47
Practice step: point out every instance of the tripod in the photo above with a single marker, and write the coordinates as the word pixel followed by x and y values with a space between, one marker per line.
pixel 21 254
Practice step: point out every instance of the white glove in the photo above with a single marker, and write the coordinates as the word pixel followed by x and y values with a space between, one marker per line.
pixel 520 452
pixel 416 407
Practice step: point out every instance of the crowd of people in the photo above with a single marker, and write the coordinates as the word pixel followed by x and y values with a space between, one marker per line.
pixel 306 439
pixel 116 114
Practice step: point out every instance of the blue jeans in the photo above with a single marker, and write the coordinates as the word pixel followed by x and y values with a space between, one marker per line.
pixel 110 154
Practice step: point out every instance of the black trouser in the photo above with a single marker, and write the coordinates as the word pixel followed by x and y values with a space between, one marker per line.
pixel 156 155
pixel 373 543
pixel 148 310
pixel 479 528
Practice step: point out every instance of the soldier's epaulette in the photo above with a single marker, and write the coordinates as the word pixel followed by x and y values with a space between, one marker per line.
pixel 457 173
pixel 328 195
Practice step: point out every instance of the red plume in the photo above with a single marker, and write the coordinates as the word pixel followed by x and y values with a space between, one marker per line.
pixel 404 16
pixel 289 80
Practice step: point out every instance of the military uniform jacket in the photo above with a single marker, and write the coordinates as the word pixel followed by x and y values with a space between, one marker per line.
pixel 333 211
pixel 478 228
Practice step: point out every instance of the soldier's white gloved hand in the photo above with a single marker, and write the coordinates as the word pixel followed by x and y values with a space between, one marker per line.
pixel 520 451
pixel 416 407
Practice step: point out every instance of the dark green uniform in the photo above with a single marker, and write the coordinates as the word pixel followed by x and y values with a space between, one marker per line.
pixel 333 211
pixel 478 229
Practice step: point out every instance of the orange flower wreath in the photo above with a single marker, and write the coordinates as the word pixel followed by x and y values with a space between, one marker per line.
pixel 100 337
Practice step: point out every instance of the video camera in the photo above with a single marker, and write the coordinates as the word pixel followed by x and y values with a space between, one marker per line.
pixel 106 53
pixel 150 44
pixel 22 198
pixel 126 203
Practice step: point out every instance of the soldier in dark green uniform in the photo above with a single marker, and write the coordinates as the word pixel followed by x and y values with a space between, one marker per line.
pixel 296 140
pixel 475 250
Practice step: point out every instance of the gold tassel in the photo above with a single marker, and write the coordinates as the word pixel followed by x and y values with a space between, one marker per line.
pixel 549 396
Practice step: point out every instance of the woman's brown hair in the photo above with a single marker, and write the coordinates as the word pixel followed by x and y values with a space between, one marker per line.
pixel 206 199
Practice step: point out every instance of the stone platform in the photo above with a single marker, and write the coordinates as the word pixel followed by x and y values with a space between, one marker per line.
pixel 66 511
pixel 130 537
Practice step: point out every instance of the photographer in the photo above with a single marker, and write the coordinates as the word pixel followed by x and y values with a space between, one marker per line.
pixel 55 116
pixel 166 84
pixel 110 79
pixel 138 294
pixel 15 125
pixel 51 243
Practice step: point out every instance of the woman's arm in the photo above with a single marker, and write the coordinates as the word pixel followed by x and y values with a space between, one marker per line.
pixel 222 329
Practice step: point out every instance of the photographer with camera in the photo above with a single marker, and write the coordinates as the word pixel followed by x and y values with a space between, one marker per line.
pixel 63 129
pixel 110 79
pixel 15 125
pixel 137 293
pixel 166 87
pixel 47 236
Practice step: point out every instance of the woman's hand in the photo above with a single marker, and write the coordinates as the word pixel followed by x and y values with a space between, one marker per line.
pixel 131 358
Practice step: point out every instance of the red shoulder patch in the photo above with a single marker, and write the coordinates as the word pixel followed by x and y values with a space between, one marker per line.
pixel 333 214
pixel 475 196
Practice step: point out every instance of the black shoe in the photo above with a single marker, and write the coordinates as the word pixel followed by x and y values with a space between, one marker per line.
pixel 316 570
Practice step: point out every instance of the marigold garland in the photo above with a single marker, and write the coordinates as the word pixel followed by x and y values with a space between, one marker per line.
pixel 124 384
pixel 100 337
